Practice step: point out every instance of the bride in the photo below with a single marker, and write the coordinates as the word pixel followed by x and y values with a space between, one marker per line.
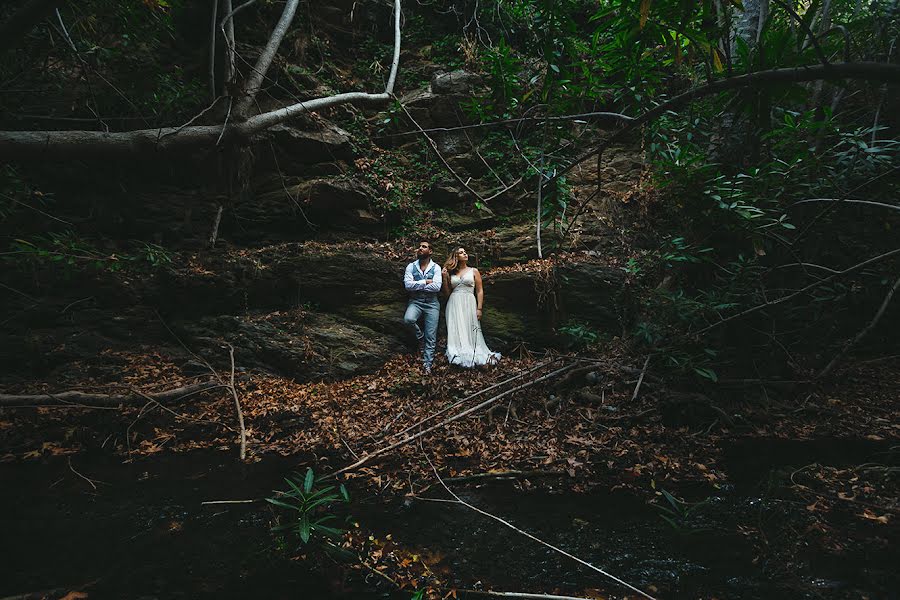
pixel 465 343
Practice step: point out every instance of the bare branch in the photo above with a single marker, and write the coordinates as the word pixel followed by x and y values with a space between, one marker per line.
pixel 808 288
pixel 850 343
pixel 848 201
pixel 230 45
pixel 395 61
pixel 64 144
pixel 76 398
pixel 237 405
pixel 254 81
pixel 212 49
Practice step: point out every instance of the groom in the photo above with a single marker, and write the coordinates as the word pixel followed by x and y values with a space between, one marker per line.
pixel 422 280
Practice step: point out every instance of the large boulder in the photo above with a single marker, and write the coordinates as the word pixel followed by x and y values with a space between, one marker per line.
pixel 454 82
pixel 337 203
pixel 328 143
pixel 531 305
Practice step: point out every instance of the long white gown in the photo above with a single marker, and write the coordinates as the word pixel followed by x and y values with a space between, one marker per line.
pixel 465 343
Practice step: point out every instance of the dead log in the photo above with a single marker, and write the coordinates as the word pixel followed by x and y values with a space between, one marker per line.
pixel 76 398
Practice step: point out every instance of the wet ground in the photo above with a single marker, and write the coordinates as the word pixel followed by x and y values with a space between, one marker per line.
pixel 143 533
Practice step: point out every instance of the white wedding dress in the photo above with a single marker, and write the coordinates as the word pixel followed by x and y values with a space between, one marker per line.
pixel 465 343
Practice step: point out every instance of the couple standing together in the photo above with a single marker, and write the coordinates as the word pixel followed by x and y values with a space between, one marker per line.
pixel 424 280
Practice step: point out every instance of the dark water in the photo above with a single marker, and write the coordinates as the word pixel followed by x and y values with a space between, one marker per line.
pixel 143 533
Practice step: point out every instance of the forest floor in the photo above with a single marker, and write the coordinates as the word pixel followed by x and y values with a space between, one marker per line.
pixel 820 461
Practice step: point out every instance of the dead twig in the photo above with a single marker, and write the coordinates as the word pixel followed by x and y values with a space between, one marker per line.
pixel 505 475
pixel 637 388
pixel 237 405
pixel 88 479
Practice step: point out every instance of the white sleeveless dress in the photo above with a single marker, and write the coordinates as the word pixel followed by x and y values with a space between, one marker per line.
pixel 465 343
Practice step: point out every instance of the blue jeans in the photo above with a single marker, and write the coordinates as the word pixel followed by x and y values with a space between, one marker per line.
pixel 428 311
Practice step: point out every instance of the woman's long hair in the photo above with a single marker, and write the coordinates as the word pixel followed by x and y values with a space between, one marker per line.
pixel 452 262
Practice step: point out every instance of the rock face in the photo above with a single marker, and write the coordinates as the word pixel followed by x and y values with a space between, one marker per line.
pixel 329 143
pixel 531 306
pixel 439 105
pixel 454 82
pixel 307 346
pixel 362 289
pixel 295 209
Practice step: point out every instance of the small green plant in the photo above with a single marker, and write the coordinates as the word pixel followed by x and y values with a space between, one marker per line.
pixel 579 335
pixel 313 507
pixel 678 513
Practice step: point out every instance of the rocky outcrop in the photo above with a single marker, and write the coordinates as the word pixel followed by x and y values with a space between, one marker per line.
pixel 440 105
pixel 325 144
pixel 305 345
pixel 297 210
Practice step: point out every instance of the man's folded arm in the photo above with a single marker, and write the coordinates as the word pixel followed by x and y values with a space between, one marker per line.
pixel 435 285
pixel 409 283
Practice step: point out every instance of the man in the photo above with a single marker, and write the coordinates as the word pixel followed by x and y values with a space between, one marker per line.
pixel 422 280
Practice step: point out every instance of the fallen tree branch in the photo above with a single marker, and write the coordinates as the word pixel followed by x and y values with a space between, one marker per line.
pixel 24 145
pixel 237 405
pixel 446 422
pixel 106 400
pixel 637 388
pixel 531 537
pixel 505 475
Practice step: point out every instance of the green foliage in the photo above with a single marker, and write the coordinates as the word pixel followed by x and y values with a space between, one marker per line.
pixel 678 513
pixel 579 335
pixel 311 507
pixel 72 251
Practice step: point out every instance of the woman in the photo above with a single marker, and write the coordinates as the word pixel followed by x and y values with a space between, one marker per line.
pixel 462 283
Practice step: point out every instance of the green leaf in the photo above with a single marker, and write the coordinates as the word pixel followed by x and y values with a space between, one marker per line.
pixel 282 504
pixel 706 373
pixel 304 529
pixel 308 481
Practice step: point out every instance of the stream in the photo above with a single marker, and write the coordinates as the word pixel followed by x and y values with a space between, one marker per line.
pixel 143 533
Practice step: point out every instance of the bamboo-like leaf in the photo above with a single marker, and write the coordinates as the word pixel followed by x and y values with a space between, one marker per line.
pixel 282 504
pixel 308 481
pixel 304 529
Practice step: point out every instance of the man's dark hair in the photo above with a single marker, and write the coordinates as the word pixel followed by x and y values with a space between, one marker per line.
pixel 427 241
